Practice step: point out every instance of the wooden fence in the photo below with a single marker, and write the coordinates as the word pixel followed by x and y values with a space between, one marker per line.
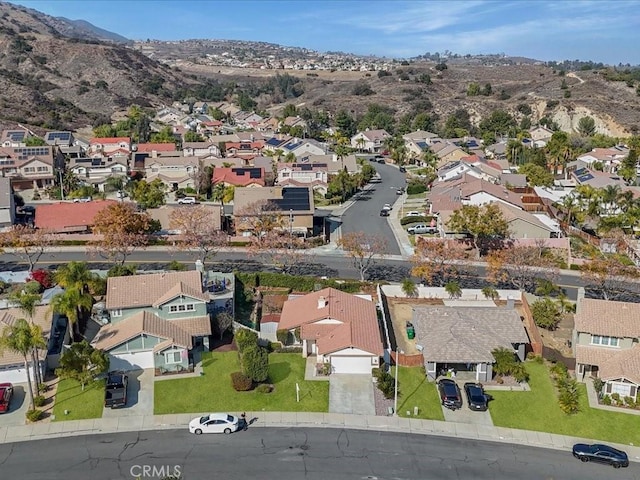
pixel 530 326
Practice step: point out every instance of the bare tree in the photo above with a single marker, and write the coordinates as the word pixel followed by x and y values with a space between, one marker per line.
pixel 223 322
pixel 363 249
pixel 26 243
pixel 199 230
pixel 608 275
pixel 438 260
pixel 521 266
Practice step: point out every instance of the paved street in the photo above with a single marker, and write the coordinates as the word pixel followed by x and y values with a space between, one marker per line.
pixel 291 453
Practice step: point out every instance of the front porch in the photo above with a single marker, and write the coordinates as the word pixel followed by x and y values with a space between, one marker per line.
pixel 311 370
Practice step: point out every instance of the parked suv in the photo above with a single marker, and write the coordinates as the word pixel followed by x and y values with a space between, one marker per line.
pixel 187 200
pixel 476 398
pixel 450 394
pixel 421 228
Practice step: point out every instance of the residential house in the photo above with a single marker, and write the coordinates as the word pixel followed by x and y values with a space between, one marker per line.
pixel 523 224
pixel 294 203
pixel 304 147
pixel 606 340
pixel 247 119
pixel 238 177
pixel 463 338
pixel 540 135
pixel 30 167
pixel 336 328
pixel 496 151
pixel 175 172
pixel 95 171
pixel 15 137
pixel 515 180
pixel 447 152
pixel 110 146
pixel 69 217
pixel 199 149
pixel 201 108
pixel 371 141
pixel 294 122
pixel 168 115
pixel 596 179
pixel 7 204
pixel 59 139
pixel 55 333
pixel 314 175
pixel 156 321
pixel 209 127
pixel 471 166
pixel 610 158
pixel 155 149
pixel 244 149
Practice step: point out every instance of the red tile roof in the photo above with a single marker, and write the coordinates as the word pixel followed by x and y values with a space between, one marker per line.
pixel 157 147
pixel 231 176
pixel 69 217
pixel 108 140
pixel 344 321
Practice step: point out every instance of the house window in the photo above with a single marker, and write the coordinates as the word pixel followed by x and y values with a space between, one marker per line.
pixel 43 169
pixel 185 307
pixel 173 357
pixel 116 313
pixel 604 341
pixel 29 169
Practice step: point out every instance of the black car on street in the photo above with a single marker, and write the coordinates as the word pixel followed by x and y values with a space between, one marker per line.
pixel 601 454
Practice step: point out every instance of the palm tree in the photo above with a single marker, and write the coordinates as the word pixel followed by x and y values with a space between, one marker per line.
pixel 77 275
pixel 453 289
pixel 217 194
pixel 490 293
pixel 22 338
pixel 610 194
pixel 71 303
pixel 27 302
pixel 409 288
pixel 570 207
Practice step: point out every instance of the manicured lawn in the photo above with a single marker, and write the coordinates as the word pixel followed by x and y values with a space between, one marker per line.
pixel 539 410
pixel 417 195
pixel 213 392
pixel 80 404
pixel 415 390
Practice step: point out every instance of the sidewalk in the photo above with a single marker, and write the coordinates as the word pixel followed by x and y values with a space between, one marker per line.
pixel 305 420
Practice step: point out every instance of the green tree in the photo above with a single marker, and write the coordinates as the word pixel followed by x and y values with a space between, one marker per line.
pixel 423 121
pixel 83 363
pixel 453 288
pixel 458 124
pixel 27 302
pixel 490 293
pixel 289 110
pixel 22 338
pixel 191 136
pixel 473 90
pixel 545 313
pixel 149 195
pixel 483 224
pixel 345 124
pixel 586 126
pixel 409 288
pixel 255 363
pixel 487 90
pixel 71 303
pixel 33 141
pixel 165 135
pixel 536 175
pixel 498 122
pixel 629 166
pixel 104 131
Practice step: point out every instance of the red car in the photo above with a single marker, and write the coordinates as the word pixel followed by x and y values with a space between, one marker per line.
pixel 6 392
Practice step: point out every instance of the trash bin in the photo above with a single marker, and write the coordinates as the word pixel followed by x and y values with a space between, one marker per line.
pixel 411 333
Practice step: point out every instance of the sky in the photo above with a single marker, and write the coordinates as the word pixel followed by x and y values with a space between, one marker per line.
pixel 605 31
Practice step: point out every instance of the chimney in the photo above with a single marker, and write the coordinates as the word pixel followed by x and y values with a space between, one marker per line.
pixel 322 302
pixel 510 302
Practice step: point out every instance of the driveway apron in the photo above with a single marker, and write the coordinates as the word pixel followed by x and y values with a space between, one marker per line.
pixel 139 396
pixel 351 393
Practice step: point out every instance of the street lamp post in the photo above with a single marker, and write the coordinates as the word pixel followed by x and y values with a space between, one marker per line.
pixel 395 399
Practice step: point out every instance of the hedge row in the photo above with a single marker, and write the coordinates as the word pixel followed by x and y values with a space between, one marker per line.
pixel 295 283
pixel 421 219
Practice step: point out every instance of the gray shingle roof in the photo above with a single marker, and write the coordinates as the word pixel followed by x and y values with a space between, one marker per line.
pixel 466 334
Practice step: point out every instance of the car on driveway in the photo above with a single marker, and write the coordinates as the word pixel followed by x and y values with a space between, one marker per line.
pixel 450 395
pixel 421 228
pixel 115 394
pixel 6 392
pixel 477 399
pixel 413 213
pixel 187 201
pixel 214 423
pixel 601 454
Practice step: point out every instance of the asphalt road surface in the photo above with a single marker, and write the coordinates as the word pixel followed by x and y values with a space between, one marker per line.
pixel 364 214
pixel 332 266
pixel 283 454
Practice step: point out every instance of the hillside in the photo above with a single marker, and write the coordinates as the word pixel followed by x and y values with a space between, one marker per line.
pixel 53 80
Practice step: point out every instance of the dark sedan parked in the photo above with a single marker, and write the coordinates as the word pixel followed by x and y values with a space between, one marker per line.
pixel 601 454
pixel 450 394
pixel 476 398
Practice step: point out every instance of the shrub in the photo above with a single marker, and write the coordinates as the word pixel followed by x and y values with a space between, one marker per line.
pixel 39 401
pixel 420 219
pixel 34 415
pixel 558 370
pixel 598 385
pixel 519 373
pixel 283 336
pixel 629 402
pixel 177 266
pixel 264 388
pixel 362 89
pixel 245 338
pixel 32 287
pixel 616 398
pixel 122 271
pixel 606 400
pixel 573 266
pixel 42 276
pixel 376 372
pixel 386 384
pixel 255 363
pixel 416 187
pixel 288 350
pixel 535 358
pixel 569 398
pixel 240 382
pixel 545 313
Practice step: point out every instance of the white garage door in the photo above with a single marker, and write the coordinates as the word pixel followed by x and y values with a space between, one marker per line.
pixel 14 375
pixel 131 361
pixel 350 364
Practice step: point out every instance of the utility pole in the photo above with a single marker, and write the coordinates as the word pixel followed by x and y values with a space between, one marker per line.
pixel 61 187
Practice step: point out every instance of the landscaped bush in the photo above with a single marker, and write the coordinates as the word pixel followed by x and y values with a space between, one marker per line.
pixel 244 339
pixel 255 363
pixel 386 384
pixel 415 187
pixel 283 336
pixel 408 220
pixel 42 276
pixel 32 287
pixel 506 364
pixel 39 401
pixel 606 400
pixel 545 313
pixel 240 382
pixel 34 415
pixel 177 266
pixel 568 392
pixel 264 388
pixel 293 282
pixel 376 372
pixel 288 350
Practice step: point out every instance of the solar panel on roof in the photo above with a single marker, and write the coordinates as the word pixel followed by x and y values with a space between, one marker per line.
pixel 254 173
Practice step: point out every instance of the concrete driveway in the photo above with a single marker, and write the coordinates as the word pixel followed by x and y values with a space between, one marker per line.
pixel 139 396
pixel 18 407
pixel 465 415
pixel 351 394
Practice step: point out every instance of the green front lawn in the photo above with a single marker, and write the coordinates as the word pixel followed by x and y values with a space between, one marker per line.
pixel 213 392
pixel 539 410
pixel 414 390
pixel 80 404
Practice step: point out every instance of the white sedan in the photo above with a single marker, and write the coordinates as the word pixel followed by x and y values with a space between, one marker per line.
pixel 214 423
